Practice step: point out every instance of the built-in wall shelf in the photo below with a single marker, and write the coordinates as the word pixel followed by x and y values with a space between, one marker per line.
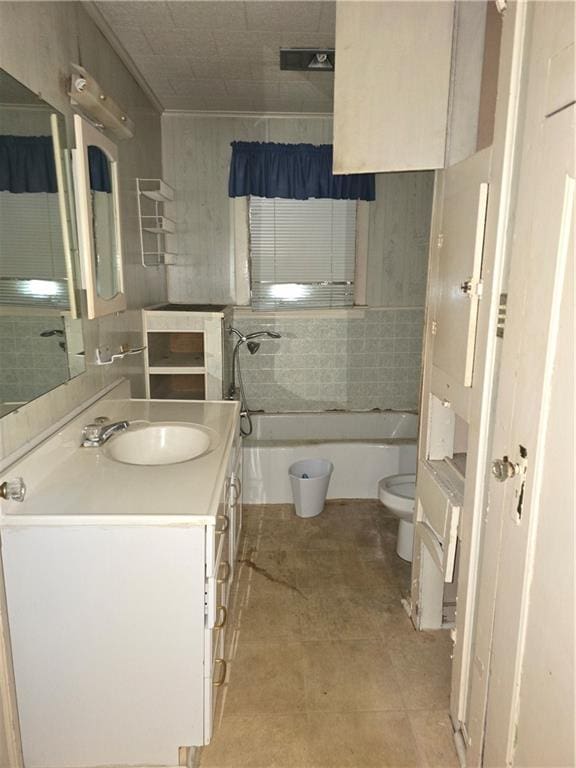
pixel 458 464
pixel 184 353
pixel 155 225
pixel 182 350
pixel 181 386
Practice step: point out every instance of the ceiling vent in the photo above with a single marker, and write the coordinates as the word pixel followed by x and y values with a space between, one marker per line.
pixel 308 59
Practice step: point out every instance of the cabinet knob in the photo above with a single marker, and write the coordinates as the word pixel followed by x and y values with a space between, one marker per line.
pixel 13 490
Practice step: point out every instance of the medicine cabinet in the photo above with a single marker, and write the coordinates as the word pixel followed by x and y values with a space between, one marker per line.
pixel 97 203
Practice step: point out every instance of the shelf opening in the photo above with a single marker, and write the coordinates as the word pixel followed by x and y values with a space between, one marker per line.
pixel 174 386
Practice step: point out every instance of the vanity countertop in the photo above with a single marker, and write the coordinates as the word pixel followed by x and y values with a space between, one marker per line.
pixel 69 485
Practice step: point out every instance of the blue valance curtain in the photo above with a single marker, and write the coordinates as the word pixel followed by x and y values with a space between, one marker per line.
pixel 99 167
pixel 27 164
pixel 294 171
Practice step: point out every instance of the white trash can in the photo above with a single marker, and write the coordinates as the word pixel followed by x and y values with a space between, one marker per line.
pixel 309 479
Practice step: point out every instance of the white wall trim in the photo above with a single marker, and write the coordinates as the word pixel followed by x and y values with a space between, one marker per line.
pixel 241 247
pixel 231 113
pixel 361 260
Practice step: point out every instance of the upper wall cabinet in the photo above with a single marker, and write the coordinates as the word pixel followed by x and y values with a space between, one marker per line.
pixel 96 171
pixel 392 84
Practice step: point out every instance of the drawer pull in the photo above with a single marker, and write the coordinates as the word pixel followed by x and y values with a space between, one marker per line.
pixel 227 571
pixel 223 617
pixel 225 523
pixel 237 485
pixel 221 680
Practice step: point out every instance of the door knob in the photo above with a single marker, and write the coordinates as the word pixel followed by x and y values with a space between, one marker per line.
pixel 503 469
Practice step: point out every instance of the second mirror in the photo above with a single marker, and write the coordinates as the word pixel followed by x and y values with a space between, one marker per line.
pixel 96 167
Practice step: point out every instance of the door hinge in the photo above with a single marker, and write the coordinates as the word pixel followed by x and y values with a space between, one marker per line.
pixel 434 328
pixel 501 315
pixel 440 240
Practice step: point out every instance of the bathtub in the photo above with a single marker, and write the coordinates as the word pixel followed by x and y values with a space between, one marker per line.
pixel 364 447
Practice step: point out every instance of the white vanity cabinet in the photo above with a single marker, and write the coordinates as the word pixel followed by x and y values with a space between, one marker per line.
pixel 118 621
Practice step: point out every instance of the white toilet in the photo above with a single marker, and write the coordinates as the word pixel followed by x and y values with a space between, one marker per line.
pixel 397 493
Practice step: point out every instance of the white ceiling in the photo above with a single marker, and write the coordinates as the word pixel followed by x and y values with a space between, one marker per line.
pixel 223 55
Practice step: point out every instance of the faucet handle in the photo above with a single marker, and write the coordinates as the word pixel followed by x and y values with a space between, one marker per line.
pixel 91 432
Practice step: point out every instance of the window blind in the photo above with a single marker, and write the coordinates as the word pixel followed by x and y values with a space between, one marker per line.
pixel 302 252
pixel 32 251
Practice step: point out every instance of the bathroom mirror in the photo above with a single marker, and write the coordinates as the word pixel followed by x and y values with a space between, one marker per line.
pixel 96 182
pixel 41 344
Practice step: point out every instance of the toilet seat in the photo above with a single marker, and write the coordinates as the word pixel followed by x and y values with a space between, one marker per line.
pixel 397 492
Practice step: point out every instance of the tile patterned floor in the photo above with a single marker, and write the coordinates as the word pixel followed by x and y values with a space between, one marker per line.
pixel 327 671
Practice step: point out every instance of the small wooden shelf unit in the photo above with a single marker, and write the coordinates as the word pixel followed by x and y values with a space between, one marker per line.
pixel 183 354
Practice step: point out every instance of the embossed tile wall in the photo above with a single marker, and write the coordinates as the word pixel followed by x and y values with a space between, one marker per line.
pixel 356 360
pixel 32 364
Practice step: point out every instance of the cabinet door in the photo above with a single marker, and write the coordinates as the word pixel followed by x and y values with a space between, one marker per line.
pixel 391 85
pixel 110 619
pixel 461 247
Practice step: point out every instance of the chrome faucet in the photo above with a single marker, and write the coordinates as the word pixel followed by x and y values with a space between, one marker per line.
pixel 95 435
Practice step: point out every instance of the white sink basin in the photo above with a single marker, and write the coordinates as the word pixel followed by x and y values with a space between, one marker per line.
pixel 161 443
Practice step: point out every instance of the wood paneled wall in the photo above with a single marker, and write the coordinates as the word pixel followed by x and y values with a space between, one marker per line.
pixel 196 157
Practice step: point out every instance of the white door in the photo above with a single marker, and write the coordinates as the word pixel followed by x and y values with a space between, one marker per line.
pixel 522 685
pixel 460 266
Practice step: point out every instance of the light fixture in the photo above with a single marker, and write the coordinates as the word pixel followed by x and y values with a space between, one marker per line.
pixel 307 59
pixel 100 108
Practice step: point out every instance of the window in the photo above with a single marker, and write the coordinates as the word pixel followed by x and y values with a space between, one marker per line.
pixel 302 252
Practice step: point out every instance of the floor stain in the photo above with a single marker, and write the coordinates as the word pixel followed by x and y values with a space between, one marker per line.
pixel 249 562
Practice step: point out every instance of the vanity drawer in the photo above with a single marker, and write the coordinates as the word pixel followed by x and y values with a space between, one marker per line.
pixel 217 538
pixel 217 582
pixel 215 641
pixel 214 681
pixel 235 509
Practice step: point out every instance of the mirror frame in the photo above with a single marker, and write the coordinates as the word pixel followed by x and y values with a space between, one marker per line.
pixel 86 134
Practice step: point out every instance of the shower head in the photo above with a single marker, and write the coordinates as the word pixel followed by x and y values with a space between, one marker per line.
pixel 259 334
pixel 253 347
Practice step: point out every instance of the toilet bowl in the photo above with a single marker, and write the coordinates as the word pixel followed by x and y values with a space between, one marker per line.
pixel 397 493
